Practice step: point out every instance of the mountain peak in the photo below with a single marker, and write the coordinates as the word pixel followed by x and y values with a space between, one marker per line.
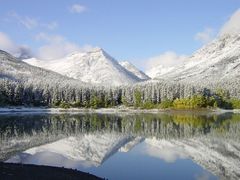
pixel 97 49
pixel 100 51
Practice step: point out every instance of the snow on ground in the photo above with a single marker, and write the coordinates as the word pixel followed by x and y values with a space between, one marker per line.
pixel 120 109
pixel 75 110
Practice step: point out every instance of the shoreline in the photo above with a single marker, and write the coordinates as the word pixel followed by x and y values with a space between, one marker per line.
pixel 47 110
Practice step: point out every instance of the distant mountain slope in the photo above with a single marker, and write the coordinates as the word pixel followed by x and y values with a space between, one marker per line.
pixel 16 70
pixel 95 67
pixel 218 61
pixel 158 71
pixel 131 68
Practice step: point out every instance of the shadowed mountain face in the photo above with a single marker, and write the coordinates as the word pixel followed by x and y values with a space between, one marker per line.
pixel 16 70
pixel 86 141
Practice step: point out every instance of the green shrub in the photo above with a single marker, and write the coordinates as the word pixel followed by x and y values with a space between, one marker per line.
pixel 148 105
pixel 166 104
pixel 96 102
pixel 124 101
pixel 76 104
pixel 64 105
pixel 196 101
pixel 235 103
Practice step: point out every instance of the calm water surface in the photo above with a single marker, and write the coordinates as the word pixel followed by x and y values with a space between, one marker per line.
pixel 127 146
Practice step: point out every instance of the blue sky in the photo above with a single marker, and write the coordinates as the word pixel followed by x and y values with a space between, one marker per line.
pixel 133 30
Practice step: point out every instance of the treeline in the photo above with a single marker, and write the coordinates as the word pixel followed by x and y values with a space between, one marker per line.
pixel 145 96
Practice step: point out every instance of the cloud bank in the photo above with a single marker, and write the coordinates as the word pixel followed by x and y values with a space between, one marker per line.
pixel 53 47
pixel 163 63
pixel 167 59
pixel 6 44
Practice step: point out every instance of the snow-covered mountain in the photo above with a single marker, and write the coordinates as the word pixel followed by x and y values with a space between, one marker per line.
pixel 14 69
pixel 218 61
pixel 94 66
pixel 133 69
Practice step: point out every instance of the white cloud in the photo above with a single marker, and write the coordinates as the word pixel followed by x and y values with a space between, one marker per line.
pixel 56 47
pixel 77 8
pixel 159 65
pixel 6 44
pixel 32 23
pixel 164 150
pixel 167 59
pixel 166 154
pixel 205 36
pixel 232 26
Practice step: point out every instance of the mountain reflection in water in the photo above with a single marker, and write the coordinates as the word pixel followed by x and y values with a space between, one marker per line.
pixel 85 141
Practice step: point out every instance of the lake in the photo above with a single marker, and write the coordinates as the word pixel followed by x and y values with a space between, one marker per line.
pixel 127 146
